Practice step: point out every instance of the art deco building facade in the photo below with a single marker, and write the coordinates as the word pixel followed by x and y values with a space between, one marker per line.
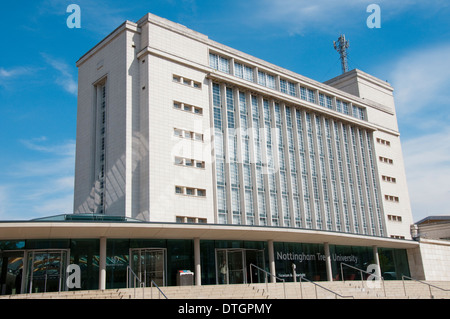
pixel 174 127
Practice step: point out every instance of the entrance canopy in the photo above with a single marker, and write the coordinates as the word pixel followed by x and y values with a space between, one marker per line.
pixel 96 228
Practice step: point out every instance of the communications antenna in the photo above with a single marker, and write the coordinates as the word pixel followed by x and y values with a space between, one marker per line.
pixel 341 46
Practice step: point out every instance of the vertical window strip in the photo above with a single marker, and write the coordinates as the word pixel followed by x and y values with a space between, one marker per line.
pixel 375 184
pixel 314 175
pixel 334 183
pixel 324 174
pixel 367 181
pixel 292 90
pixel 292 160
pixel 248 192
pixel 282 166
pixel 220 156
pixel 232 155
pixel 283 86
pixel 350 180
pixel 362 203
pixel 270 163
pixel 342 178
pixel 258 161
pixel 304 170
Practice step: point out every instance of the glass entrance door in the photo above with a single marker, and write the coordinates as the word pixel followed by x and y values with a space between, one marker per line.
pixel 149 264
pixel 46 270
pixel 233 265
pixel 11 270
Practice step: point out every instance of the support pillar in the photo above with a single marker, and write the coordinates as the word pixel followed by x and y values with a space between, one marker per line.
pixel 197 265
pixel 271 261
pixel 376 259
pixel 102 265
pixel 328 262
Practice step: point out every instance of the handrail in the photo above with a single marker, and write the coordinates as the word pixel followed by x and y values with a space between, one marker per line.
pixel 129 270
pixel 422 282
pixel 153 283
pixel 362 271
pixel 317 285
pixel 267 273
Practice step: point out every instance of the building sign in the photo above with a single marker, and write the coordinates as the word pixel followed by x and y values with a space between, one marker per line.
pixel 301 257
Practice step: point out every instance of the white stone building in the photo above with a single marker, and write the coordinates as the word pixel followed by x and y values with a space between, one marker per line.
pixel 175 127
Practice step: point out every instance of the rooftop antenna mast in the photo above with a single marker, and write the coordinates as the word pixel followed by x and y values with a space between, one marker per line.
pixel 341 46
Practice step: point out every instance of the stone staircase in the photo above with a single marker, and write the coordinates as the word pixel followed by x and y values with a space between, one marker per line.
pixel 349 289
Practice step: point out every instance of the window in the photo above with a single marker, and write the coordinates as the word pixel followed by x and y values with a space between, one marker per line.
pixel 243 71
pixel 187 108
pixel 186 81
pixel 218 62
pixel 303 95
pixel 283 86
pixel 178 160
pixel 391 198
pixel 383 142
pixel 358 112
pixel 394 218
pixel 200 164
pixel 187 219
pixel 189 162
pixel 386 160
pixel 190 191
pixel 188 134
pixel 178 132
pixel 198 137
pixel 266 80
pixel 201 192
pixel 388 179
pixel 292 90
pixel 197 85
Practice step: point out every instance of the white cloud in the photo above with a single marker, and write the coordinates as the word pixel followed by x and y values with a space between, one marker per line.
pixel 64 78
pixel 421 80
pixel 42 185
pixel 4 73
pixel 331 16
pixel 427 164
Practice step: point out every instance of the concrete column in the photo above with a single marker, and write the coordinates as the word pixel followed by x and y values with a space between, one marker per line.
pixel 328 262
pixel 102 265
pixel 376 258
pixel 271 260
pixel 197 266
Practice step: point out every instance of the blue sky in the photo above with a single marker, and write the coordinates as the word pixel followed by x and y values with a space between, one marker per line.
pixel 38 78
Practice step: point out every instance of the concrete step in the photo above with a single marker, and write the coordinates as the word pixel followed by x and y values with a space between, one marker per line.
pixel 355 289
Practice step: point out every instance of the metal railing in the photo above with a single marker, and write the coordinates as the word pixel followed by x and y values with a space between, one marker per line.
pixel 266 281
pixel 141 284
pixel 320 286
pixel 422 282
pixel 362 279
pixel 160 291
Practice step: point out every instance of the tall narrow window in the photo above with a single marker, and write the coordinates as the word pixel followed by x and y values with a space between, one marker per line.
pixel 100 149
